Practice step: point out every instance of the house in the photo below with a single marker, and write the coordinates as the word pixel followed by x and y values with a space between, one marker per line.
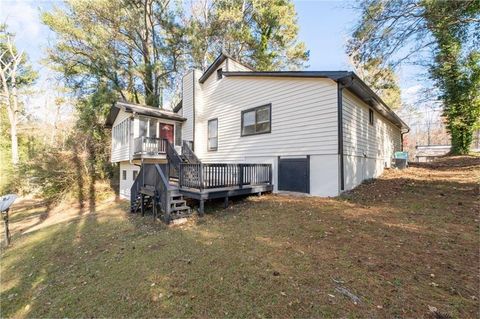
pixel 314 132
pixel 428 153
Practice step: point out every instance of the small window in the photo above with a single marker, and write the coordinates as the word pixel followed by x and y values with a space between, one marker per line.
pixel 219 74
pixel 178 134
pixel 257 120
pixel 124 174
pixel 370 116
pixel 134 175
pixel 212 135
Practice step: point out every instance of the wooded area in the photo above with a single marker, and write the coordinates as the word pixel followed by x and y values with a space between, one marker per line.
pixel 138 51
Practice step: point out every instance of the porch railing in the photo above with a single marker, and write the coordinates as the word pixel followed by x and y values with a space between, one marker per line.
pixel 149 145
pixel 205 176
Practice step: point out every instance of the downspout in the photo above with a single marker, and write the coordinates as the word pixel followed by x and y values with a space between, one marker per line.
pixel 193 112
pixel 340 133
pixel 402 133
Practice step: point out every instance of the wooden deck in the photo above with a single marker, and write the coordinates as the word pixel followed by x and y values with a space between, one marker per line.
pixel 225 192
pixel 214 180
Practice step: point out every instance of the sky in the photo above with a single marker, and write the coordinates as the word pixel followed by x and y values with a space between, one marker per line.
pixel 324 27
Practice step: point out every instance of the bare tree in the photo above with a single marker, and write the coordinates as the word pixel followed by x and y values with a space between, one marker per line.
pixel 15 73
pixel 8 73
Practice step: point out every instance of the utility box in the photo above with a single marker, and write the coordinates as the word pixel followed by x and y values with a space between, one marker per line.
pixel 401 160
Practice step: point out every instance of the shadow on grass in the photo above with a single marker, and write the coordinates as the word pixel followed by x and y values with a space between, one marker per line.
pixel 263 256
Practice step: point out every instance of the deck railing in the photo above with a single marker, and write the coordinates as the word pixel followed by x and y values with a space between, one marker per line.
pixel 215 175
pixel 149 145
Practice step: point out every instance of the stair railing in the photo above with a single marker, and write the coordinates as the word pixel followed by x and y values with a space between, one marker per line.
pixel 189 154
pixel 137 184
pixel 154 175
pixel 174 160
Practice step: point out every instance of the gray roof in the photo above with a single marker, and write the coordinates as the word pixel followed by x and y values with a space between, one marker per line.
pixel 178 106
pixel 222 57
pixel 140 110
pixel 347 79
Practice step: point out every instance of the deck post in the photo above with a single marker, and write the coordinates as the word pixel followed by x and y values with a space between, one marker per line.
pixel 201 208
pixel 240 180
pixel 202 185
pixel 225 202
pixel 180 175
pixel 143 205
pixel 154 207
pixel 270 174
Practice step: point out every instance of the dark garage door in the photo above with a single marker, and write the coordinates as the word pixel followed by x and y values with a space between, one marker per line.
pixel 294 175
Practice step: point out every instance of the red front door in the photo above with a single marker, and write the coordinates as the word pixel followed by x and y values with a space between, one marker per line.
pixel 166 132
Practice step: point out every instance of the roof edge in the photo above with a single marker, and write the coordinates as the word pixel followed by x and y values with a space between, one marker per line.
pixel 345 78
pixel 222 57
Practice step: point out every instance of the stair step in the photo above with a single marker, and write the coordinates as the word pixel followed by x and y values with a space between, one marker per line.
pixel 181 214
pixel 178 202
pixel 179 208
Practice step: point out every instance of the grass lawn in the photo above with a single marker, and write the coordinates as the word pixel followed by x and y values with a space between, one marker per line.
pixel 402 244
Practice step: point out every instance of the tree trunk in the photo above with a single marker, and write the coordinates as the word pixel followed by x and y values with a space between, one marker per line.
pixel 14 117
pixel 14 139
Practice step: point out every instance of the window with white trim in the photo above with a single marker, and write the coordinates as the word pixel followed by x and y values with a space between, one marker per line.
pixel 212 144
pixel 256 120
pixel 120 133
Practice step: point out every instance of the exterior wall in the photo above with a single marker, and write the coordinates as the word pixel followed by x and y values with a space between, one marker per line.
pixel 187 105
pixel 368 149
pixel 125 185
pixel 122 153
pixel 324 175
pixel 312 130
pixel 234 66
pixel 304 122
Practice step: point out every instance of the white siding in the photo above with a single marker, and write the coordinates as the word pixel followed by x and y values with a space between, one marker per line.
pixel 187 106
pixel 126 184
pixel 304 117
pixel 367 148
pixel 121 153
pixel 234 66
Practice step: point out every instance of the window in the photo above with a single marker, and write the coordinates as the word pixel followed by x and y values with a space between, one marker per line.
pixel 178 134
pixel 134 175
pixel 120 134
pixel 142 127
pixel 152 128
pixel 212 144
pixel 257 120
pixel 219 74
pixel 370 116
pixel 124 174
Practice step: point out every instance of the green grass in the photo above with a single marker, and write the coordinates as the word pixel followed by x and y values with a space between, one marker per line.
pixel 269 256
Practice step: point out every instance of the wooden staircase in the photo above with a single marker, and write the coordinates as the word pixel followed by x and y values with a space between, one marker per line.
pixel 151 202
pixel 156 188
pixel 178 206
